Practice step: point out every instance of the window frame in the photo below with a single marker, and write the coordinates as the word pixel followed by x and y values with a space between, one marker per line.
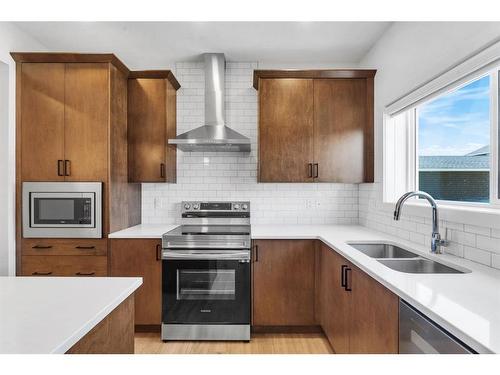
pixel 411 140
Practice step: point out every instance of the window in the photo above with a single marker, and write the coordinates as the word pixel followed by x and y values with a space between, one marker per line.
pixel 453 138
pixel 443 139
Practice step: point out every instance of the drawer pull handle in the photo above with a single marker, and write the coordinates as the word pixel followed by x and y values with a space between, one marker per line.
pixel 36 273
pixel 85 273
pixel 85 247
pixel 42 247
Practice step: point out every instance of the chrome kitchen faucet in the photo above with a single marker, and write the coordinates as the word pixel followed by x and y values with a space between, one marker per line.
pixel 436 241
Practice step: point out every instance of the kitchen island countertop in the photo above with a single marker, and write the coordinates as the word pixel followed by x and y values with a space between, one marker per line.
pixel 42 315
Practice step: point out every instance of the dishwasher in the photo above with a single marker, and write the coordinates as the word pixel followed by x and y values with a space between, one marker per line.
pixel 420 335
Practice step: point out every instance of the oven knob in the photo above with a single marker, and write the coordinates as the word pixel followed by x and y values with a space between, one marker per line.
pixel 196 206
pixel 244 206
pixel 187 206
pixel 236 206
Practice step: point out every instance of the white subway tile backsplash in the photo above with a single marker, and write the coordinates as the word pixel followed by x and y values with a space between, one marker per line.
pixel 488 243
pixel 232 176
pixel 479 244
pixel 477 255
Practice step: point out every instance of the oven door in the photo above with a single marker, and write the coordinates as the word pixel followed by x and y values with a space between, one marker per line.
pixel 206 291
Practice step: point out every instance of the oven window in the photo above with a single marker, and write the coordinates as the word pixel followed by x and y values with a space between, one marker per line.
pixel 214 284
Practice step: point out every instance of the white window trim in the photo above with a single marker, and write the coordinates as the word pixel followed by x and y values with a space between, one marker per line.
pixel 485 62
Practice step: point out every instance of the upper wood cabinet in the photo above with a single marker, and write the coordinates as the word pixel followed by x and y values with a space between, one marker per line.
pixel 285 130
pixel 283 283
pixel 40 114
pixel 315 126
pixel 86 121
pixel 151 122
pixel 64 118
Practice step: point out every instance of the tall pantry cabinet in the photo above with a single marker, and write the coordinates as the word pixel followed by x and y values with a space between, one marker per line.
pixel 71 121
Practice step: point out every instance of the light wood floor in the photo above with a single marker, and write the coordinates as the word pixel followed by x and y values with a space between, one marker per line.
pixel 261 343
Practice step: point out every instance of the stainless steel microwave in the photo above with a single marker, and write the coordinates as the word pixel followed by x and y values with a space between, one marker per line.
pixel 62 209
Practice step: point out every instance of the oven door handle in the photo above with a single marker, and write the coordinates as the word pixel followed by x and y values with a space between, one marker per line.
pixel 205 255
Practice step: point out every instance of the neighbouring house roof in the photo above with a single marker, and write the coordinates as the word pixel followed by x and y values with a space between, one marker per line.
pixel 485 150
pixel 462 163
pixel 477 160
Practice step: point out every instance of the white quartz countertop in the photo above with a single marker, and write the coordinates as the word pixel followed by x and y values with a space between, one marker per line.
pixel 143 231
pixel 41 315
pixel 467 305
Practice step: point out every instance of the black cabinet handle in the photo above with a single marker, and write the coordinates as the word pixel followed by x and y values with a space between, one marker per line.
pixel 67 167
pixel 343 282
pixel 85 247
pixel 60 167
pixel 158 252
pixel 316 174
pixel 162 170
pixel 36 273
pixel 85 273
pixel 42 247
pixel 256 253
pixel 347 287
pixel 310 170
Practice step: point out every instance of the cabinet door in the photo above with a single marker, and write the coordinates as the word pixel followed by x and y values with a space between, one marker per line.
pixel 340 130
pixel 285 130
pixel 375 315
pixel 283 283
pixel 335 300
pixel 86 121
pixel 140 258
pixel 147 129
pixel 42 121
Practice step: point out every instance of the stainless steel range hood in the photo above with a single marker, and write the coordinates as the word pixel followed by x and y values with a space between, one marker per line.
pixel 214 135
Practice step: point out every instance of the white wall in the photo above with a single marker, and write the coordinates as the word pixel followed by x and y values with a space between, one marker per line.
pixel 11 39
pixel 233 176
pixel 408 55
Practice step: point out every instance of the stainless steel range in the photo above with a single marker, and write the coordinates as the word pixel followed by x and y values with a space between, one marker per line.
pixel 206 273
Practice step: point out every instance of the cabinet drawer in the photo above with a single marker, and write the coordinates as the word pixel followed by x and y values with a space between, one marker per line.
pixel 68 265
pixel 64 246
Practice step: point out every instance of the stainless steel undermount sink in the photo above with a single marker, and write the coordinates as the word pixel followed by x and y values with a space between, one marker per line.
pixel 418 265
pixel 382 250
pixel 401 260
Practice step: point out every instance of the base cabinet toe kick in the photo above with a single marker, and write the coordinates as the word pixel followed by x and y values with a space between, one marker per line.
pixel 209 332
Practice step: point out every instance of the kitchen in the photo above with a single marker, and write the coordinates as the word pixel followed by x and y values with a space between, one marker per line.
pixel 222 198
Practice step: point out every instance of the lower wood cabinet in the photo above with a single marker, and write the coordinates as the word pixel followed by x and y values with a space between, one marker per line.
pixel 283 283
pixel 358 314
pixel 64 265
pixel 334 302
pixel 140 258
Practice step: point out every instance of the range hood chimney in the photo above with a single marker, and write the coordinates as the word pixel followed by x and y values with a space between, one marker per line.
pixel 214 135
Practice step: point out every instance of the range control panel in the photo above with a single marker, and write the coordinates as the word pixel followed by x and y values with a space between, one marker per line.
pixel 239 206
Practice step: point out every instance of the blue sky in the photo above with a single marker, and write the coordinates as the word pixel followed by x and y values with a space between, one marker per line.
pixel 456 123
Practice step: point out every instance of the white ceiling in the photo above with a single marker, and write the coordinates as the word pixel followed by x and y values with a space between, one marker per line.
pixel 158 45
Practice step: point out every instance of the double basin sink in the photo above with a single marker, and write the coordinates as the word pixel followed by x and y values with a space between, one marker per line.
pixel 402 260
